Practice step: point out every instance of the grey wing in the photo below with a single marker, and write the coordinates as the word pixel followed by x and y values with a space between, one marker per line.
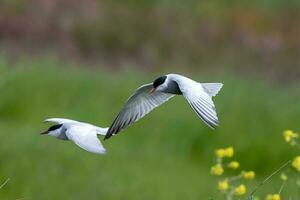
pixel 206 112
pixel 200 101
pixel 136 107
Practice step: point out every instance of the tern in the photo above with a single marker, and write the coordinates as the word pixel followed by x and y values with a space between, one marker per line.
pixel 82 134
pixel 149 96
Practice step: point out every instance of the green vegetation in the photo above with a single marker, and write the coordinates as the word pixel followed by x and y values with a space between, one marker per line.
pixel 167 155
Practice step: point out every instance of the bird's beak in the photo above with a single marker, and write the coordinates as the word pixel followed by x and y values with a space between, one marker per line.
pixel 44 133
pixel 151 91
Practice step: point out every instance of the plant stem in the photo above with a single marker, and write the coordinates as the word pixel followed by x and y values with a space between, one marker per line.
pixel 269 177
pixel 5 182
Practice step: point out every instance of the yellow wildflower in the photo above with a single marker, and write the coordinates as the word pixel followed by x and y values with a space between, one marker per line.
pixel 220 153
pixel 240 190
pixel 296 163
pixel 223 185
pixel 228 152
pixel 289 135
pixel 283 177
pixel 217 170
pixel 233 165
pixel 248 175
pixel 273 197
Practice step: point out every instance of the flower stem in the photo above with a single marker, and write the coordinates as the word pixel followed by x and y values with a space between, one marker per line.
pixel 5 182
pixel 269 177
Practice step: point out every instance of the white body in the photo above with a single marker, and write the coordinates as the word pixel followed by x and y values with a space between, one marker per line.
pixel 82 134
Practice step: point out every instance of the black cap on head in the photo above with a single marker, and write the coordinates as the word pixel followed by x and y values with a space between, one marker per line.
pixel 54 127
pixel 159 81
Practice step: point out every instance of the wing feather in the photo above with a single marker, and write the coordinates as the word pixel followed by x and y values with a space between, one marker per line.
pixel 86 138
pixel 136 107
pixel 199 100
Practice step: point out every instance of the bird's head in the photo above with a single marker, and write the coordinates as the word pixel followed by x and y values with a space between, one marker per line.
pixel 53 130
pixel 159 84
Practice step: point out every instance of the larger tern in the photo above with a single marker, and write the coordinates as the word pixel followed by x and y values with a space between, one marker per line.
pixel 149 96
pixel 82 134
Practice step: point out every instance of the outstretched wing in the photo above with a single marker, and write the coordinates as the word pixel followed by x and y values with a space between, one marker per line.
pixel 86 138
pixel 200 101
pixel 136 107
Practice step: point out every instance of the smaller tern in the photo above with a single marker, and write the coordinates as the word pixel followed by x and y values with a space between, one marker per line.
pixel 149 96
pixel 82 134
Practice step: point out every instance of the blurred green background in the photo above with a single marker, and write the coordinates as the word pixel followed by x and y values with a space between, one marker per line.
pixel 82 59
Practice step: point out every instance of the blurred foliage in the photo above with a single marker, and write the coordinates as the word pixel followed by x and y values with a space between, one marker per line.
pixel 12 6
pixel 164 156
pixel 257 37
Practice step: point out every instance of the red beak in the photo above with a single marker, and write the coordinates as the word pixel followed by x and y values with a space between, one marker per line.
pixel 151 91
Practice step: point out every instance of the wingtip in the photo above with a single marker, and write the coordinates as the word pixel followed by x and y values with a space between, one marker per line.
pixel 213 125
pixel 216 125
pixel 107 136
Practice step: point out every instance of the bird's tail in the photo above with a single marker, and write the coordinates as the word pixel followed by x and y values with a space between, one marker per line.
pixel 212 88
pixel 101 131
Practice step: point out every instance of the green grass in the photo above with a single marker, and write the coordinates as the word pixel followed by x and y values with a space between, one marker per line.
pixel 167 155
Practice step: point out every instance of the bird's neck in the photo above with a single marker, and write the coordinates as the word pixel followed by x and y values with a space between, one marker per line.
pixel 173 88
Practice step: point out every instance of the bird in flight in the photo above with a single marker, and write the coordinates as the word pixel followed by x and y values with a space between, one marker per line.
pixel 149 96
pixel 82 134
